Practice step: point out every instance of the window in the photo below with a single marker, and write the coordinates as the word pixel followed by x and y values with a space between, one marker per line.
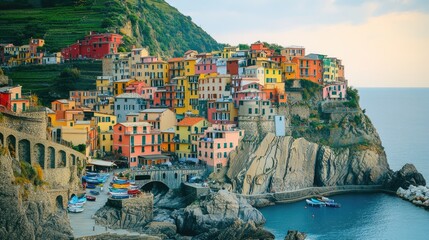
pixel 132 149
pixel 225 145
pixel 230 145
pixel 120 138
pixel 250 111
pixel 218 146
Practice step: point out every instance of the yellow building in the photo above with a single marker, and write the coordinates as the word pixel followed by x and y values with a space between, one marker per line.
pixel 187 132
pixel 290 70
pixel 229 51
pixel 273 75
pixel 119 86
pixel 190 66
pixel 168 145
pixel 153 72
pixel 176 67
pixel 104 85
pixel 186 94
pixel 105 124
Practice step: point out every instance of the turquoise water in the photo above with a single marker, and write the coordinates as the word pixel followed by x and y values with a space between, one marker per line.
pixel 401 117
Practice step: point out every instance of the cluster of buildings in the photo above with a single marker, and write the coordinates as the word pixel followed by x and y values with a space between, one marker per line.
pixel 11 55
pixel 93 46
pixel 192 108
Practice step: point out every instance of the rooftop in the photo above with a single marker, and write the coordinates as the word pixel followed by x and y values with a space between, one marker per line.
pixel 154 110
pixel 129 95
pixel 190 121
pixel 136 124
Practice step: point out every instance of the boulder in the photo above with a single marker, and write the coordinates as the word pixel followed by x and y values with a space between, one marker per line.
pixel 218 211
pixel 295 235
pixel 165 230
pixel 408 175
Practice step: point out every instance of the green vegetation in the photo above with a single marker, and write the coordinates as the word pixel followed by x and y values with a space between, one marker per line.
pixel 352 97
pixel 310 89
pixel 154 24
pixel 29 174
pixel 46 82
pixel 80 148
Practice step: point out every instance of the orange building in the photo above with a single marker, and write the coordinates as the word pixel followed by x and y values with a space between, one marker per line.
pixel 310 68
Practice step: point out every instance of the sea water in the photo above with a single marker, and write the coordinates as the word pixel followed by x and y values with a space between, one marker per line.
pixel 401 117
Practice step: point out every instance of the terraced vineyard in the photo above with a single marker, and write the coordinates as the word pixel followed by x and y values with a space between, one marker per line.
pixel 42 79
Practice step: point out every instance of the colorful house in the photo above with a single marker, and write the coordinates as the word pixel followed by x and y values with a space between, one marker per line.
pixel 330 70
pixel 213 87
pixel 160 118
pixel 105 123
pixel 11 98
pixel 84 98
pixel 310 68
pixel 187 132
pixel 128 103
pixel 291 52
pixel 176 67
pixel 152 71
pixel 139 142
pixel 222 111
pixel 335 91
pixel 117 65
pixel 206 64
pixel 168 145
pixel 93 46
pixel 217 143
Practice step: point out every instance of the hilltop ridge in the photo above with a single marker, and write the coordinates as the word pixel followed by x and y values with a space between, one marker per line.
pixel 150 23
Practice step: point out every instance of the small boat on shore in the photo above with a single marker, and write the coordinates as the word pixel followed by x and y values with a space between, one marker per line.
pixel 120 196
pixel 325 199
pixel 91 198
pixel 133 191
pixel 315 203
pixel 94 192
pixel 91 186
pixel 126 185
pixel 75 209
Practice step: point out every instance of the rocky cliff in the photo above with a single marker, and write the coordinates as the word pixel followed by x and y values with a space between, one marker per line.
pixel 330 143
pixel 26 212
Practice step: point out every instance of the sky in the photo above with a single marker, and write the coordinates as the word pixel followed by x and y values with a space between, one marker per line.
pixel 382 43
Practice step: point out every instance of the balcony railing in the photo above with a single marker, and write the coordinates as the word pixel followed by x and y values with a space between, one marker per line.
pixel 142 132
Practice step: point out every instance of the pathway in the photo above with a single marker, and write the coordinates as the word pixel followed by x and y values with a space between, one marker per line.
pixel 83 224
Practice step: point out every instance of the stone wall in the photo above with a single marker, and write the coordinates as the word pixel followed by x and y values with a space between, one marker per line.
pixel 195 190
pixel 133 213
pixel 32 123
pixel 173 178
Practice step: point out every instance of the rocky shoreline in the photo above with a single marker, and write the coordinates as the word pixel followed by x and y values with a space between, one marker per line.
pixel 418 195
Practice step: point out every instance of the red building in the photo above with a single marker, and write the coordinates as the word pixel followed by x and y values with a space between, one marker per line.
pixel 93 46
pixel 310 69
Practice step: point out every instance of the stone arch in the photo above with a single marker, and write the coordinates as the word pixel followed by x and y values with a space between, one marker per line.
pixel 11 145
pixel 62 159
pixel 156 187
pixel 51 157
pixel 72 160
pixel 59 202
pixel 24 150
pixel 39 154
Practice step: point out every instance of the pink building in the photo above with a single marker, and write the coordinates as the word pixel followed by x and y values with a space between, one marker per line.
pixel 205 64
pixel 139 143
pixel 335 91
pixel 217 143
pixel 141 88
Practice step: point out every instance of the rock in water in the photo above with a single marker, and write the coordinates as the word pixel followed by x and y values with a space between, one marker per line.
pixel 408 175
pixel 295 235
pixel 219 211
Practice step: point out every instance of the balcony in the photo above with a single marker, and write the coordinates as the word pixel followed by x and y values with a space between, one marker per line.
pixel 142 132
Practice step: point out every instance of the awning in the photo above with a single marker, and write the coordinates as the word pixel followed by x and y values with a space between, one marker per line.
pixel 101 163
pixel 154 157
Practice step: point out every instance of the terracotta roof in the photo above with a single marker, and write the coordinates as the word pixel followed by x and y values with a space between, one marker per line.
pixel 190 121
pixel 175 59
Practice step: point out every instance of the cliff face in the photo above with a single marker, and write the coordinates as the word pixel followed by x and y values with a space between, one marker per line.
pixel 330 144
pixel 284 164
pixel 27 213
